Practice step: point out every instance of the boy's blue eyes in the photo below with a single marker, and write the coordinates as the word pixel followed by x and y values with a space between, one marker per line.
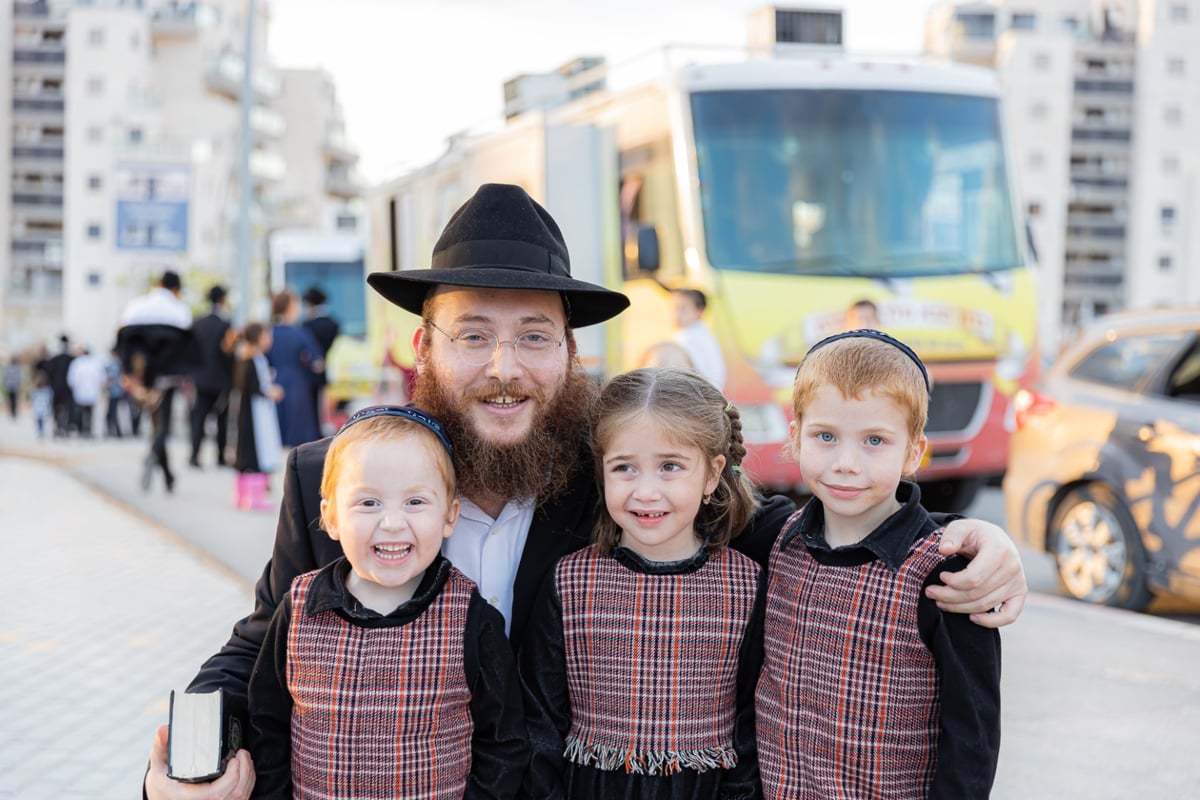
pixel 828 438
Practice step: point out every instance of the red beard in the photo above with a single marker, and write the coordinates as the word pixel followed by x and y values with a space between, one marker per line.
pixel 538 466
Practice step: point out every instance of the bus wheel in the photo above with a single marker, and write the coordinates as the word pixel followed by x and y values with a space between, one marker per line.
pixel 950 496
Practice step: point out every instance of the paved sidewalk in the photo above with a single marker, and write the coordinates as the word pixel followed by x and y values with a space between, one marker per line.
pixel 102 613
pixel 109 599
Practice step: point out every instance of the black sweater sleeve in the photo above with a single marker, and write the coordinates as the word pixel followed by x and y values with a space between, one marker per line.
pixel 543 664
pixel 968 660
pixel 299 547
pixel 742 782
pixel 760 533
pixel 269 739
pixel 499 749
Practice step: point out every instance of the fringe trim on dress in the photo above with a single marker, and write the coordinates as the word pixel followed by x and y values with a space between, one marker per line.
pixel 638 762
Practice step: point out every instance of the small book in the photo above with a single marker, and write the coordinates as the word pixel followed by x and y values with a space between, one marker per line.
pixel 204 733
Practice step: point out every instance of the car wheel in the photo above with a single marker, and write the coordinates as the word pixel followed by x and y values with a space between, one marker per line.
pixel 1098 549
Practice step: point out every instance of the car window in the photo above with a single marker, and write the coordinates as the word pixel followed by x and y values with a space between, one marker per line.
pixel 1184 382
pixel 1124 362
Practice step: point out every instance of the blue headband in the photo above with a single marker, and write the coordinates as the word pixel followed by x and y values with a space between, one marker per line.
pixel 406 412
pixel 871 333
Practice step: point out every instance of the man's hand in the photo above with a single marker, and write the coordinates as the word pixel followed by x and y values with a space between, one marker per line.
pixel 992 587
pixel 235 784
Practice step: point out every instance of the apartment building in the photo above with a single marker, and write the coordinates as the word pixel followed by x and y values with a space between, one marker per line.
pixel 128 114
pixel 321 188
pixel 32 85
pixel 1102 100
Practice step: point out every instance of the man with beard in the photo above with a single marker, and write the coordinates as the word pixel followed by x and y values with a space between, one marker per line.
pixel 497 364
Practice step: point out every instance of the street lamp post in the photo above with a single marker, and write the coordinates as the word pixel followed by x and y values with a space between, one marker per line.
pixel 245 243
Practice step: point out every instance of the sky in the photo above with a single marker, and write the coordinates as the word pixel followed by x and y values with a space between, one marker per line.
pixel 410 73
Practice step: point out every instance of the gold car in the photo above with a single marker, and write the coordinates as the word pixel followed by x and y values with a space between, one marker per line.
pixel 1102 469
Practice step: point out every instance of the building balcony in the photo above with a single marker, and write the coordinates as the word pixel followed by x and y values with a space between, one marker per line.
pixel 40 48
pixel 35 287
pixel 1111 230
pixel 38 216
pixel 337 148
pixel 1104 86
pixel 180 20
pixel 1098 221
pixel 1088 279
pixel 267 167
pixel 38 139
pixel 1101 133
pixel 1098 176
pixel 34 10
pixel 49 235
pixel 49 104
pixel 224 76
pixel 36 156
pixel 55 70
pixel 31 260
pixel 26 199
pixel 38 186
pixel 267 123
pixel 343 184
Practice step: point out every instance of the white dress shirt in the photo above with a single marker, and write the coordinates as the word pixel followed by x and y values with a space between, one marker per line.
pixel 159 306
pixel 488 551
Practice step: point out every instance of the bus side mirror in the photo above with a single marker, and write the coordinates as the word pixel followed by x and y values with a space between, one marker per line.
pixel 647 248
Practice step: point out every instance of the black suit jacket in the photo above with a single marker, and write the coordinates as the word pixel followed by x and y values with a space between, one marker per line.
pixel 559 526
pixel 215 371
pixel 324 329
pixel 154 350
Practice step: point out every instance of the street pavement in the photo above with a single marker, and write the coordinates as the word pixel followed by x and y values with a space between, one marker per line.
pixel 112 596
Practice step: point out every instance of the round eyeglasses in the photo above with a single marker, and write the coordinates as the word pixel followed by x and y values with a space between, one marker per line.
pixel 477 347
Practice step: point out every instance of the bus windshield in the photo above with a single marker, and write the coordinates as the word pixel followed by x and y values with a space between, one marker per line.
pixel 879 184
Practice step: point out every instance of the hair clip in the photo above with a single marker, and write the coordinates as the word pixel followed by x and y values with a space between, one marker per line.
pixel 728 407
pixel 879 336
pixel 406 412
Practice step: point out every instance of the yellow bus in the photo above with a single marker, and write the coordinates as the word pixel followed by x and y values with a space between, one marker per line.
pixel 786 189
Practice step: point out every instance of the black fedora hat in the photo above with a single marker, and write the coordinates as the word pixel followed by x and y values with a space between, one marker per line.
pixel 502 239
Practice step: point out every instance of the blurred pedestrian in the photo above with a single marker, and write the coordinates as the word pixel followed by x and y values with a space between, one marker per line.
pixel 41 402
pixel 214 376
pixel 13 378
pixel 56 372
pixel 259 449
pixel 862 314
pixel 157 350
pixel 324 329
pixel 295 355
pixel 666 354
pixel 86 378
pixel 115 394
pixel 696 337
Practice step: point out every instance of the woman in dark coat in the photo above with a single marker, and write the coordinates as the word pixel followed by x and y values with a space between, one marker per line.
pixel 295 356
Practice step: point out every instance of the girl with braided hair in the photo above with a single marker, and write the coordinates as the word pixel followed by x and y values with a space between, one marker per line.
pixel 640 662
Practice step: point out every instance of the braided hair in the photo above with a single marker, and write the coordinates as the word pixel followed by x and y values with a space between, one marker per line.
pixel 694 412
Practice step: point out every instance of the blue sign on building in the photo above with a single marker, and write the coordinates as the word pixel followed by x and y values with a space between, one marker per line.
pixel 152 207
